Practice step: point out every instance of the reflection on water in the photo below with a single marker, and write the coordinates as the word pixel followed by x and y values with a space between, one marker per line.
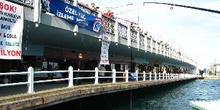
pixel 178 97
pixel 166 97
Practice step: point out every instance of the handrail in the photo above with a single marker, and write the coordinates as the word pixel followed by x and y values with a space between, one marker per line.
pixel 73 75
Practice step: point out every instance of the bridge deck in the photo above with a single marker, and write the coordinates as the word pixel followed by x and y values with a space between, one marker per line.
pixel 63 94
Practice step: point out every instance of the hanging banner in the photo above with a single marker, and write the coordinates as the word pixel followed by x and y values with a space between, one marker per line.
pixel 11 28
pixel 73 14
pixel 104 49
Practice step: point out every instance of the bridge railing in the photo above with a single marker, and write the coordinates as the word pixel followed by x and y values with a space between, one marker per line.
pixel 72 76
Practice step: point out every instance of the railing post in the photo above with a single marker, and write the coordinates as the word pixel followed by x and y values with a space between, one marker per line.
pixel 150 75
pixel 166 75
pixel 144 76
pixel 155 76
pixel 159 75
pixel 70 70
pixel 37 12
pixel 113 76
pixel 30 80
pixel 126 71
pixel 136 75
pixel 96 75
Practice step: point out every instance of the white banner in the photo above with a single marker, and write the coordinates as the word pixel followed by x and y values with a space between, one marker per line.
pixel 104 49
pixel 11 28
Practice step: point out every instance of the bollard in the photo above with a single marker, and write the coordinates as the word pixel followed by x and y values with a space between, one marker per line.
pixel 30 80
pixel 96 75
pixel 70 71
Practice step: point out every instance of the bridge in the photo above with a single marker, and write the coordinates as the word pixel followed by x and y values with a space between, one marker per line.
pixel 55 51
pixel 51 91
pixel 45 34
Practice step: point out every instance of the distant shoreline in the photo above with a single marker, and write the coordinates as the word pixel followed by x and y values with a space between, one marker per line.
pixel 211 77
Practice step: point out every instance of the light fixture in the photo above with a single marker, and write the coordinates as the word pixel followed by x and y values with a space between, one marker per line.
pixel 36 24
pixel 116 44
pixel 75 30
pixel 80 56
pixel 75 33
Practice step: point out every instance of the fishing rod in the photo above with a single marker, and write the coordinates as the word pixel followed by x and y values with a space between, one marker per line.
pixel 184 6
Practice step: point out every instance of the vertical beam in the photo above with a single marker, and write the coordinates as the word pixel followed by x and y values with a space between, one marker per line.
pixel 37 12
pixel 30 80
pixel 151 44
pixel 159 75
pixel 126 71
pixel 150 76
pixel 136 72
pixel 129 36
pixel 155 76
pixel 96 75
pixel 138 40
pixel 156 47
pixel 116 32
pixel 145 43
pixel 114 76
pixel 70 84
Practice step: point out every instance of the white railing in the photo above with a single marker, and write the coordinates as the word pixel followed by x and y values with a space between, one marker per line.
pixel 75 75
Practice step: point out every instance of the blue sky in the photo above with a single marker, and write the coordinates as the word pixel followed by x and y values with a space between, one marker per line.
pixel 195 33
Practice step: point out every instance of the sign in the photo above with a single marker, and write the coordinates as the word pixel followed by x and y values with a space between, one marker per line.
pixel 11 28
pixel 104 49
pixel 73 15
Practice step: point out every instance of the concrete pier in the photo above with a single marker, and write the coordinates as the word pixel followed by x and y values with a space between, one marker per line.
pixel 60 95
